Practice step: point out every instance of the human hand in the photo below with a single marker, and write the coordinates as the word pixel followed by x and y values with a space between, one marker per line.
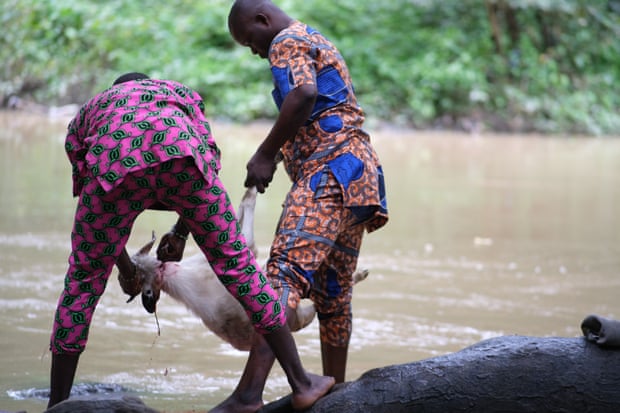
pixel 171 247
pixel 260 171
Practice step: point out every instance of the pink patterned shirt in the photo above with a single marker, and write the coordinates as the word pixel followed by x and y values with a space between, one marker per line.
pixel 136 125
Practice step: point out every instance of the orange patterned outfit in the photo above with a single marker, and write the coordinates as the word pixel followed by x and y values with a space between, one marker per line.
pixel 338 188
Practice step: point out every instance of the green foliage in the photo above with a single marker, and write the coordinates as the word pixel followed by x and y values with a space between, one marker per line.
pixel 418 62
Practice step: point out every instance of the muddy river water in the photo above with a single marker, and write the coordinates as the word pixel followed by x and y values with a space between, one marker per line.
pixel 489 235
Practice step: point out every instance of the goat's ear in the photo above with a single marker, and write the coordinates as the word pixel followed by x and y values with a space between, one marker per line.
pixel 147 248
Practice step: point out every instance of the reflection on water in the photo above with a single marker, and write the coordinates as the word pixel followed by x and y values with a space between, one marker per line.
pixel 488 236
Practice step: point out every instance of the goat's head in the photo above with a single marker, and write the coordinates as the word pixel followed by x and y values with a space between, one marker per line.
pixel 148 269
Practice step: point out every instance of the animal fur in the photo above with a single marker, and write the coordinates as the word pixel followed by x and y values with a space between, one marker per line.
pixel 193 283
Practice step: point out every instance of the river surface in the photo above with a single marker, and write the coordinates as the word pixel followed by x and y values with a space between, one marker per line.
pixel 488 236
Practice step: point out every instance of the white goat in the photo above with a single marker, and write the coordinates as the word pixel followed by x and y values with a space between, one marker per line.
pixel 193 283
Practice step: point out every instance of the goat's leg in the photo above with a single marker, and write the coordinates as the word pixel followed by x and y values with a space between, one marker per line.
pixel 245 215
pixel 360 275
pixel 301 317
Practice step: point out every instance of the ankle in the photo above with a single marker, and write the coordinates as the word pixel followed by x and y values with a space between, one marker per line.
pixel 62 372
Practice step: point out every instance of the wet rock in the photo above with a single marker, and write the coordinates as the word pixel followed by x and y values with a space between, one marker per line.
pixel 511 374
pixel 102 404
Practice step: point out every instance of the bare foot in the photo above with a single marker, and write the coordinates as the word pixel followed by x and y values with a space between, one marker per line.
pixel 319 386
pixel 235 405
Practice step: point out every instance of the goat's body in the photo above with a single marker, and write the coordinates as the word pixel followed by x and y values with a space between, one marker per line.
pixel 193 283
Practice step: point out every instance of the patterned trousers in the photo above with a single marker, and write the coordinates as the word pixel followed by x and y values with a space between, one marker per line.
pixel 314 255
pixel 102 226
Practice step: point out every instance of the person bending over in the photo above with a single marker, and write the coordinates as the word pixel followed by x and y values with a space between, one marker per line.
pixel 145 144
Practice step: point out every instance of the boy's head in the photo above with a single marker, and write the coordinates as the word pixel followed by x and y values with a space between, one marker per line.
pixel 254 24
pixel 127 77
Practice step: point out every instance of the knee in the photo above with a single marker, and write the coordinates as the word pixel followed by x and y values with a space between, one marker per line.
pixel 335 328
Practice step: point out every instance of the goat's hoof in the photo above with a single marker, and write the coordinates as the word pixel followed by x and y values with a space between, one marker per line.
pixel 360 275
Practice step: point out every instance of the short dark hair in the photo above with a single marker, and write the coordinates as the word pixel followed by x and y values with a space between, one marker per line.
pixel 127 77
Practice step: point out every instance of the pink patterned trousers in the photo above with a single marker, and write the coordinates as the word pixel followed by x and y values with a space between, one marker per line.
pixel 103 222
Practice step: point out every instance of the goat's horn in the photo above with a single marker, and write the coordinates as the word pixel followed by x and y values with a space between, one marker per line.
pixel 146 248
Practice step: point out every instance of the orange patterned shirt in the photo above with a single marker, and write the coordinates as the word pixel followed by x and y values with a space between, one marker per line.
pixel 333 136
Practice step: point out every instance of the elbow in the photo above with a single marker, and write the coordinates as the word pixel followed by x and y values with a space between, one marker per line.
pixel 306 95
pixel 298 105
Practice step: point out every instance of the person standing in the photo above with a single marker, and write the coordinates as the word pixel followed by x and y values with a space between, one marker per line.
pixel 337 188
pixel 145 144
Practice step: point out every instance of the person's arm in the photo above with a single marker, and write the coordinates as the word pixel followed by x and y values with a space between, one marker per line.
pixel 295 111
pixel 172 244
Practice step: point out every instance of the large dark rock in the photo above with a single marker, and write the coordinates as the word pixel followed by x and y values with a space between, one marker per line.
pixel 511 374
pixel 102 404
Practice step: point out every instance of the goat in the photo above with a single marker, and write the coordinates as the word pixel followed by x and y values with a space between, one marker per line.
pixel 193 283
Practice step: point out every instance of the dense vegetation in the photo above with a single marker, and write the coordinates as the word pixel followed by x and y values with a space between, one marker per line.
pixel 545 65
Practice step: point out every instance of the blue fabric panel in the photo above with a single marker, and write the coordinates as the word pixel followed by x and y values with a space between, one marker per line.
pixel 282 84
pixel 315 180
pixel 332 90
pixel 311 30
pixel 333 289
pixel 293 272
pixel 346 168
pixel 332 123
pixel 382 190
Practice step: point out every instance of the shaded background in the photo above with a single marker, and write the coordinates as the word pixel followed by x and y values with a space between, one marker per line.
pixel 490 233
pixel 520 65
pixel 488 236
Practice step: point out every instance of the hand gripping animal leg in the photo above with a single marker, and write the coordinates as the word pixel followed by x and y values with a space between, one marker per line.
pixel 193 283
